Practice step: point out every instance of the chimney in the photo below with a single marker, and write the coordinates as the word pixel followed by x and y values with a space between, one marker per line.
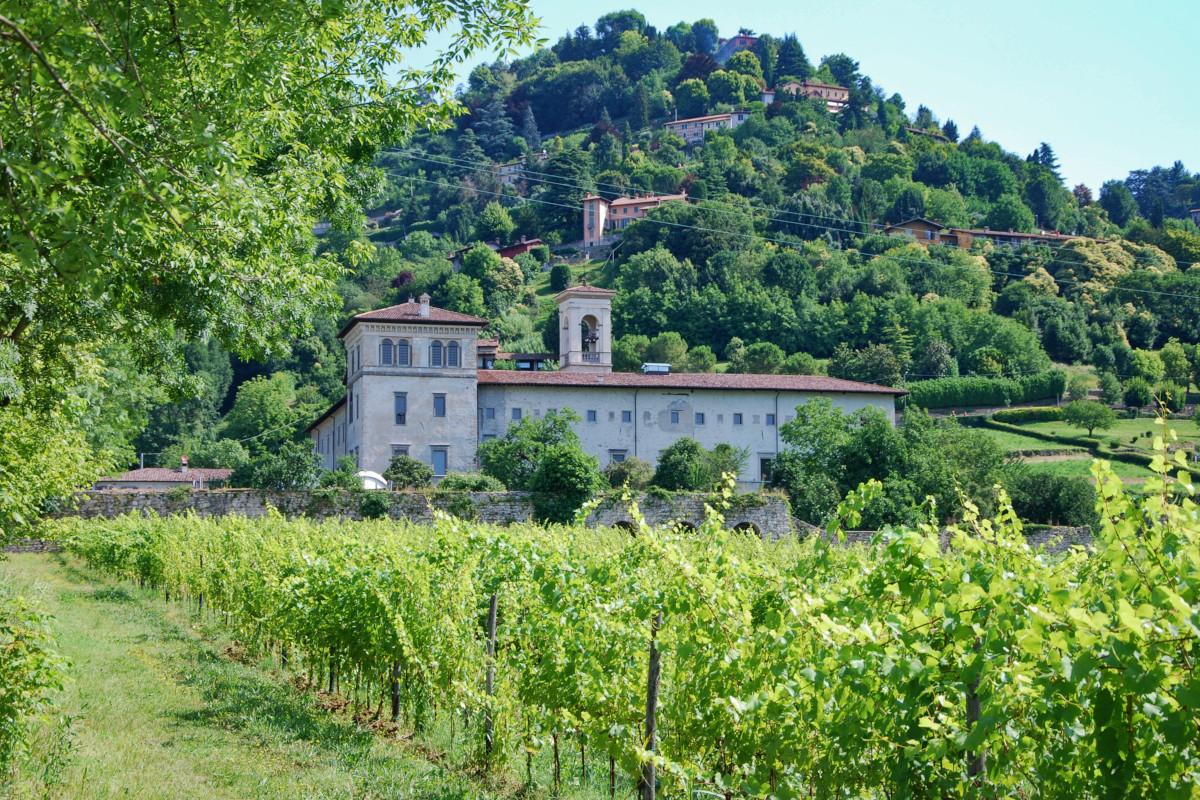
pixel 522 239
pixel 424 312
pixel 183 465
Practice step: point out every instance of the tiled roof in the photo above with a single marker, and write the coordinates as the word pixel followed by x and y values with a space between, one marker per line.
pixel 173 475
pixel 411 312
pixel 709 118
pixel 658 198
pixel 682 380
pixel 585 288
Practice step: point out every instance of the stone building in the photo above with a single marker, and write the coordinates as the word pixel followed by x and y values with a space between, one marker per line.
pixel 602 216
pixel 414 386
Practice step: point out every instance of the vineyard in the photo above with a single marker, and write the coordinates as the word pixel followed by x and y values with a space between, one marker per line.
pixel 713 662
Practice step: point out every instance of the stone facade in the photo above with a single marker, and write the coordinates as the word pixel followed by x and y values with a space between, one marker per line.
pixel 762 515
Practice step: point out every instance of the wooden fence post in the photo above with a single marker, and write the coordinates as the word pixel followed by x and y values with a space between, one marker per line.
pixel 488 723
pixel 652 677
pixel 396 691
pixel 976 762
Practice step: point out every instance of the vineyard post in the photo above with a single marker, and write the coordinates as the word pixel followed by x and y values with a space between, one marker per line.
pixel 976 762
pixel 612 777
pixel 396 690
pixel 491 676
pixel 652 675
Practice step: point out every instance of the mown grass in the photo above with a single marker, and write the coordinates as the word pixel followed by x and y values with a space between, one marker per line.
pixel 1124 432
pixel 154 710
pixel 1015 441
pixel 1130 474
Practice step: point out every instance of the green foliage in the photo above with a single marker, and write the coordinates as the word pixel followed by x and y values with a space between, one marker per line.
pixel 541 252
pixel 494 223
pixel 1171 396
pixel 564 479
pixel 1147 366
pixel 560 277
pixel 1089 415
pixel 42 458
pixel 632 472
pixel 1043 498
pixel 1111 391
pixel 374 504
pixel 30 671
pixel 293 466
pixel 265 413
pixel 1138 393
pixel 685 466
pixel 844 650
pixel 405 472
pixel 1025 416
pixel 217 454
pixel 955 392
pixel 469 482
pixel 693 98
pixel 876 364
pixel 513 458
pixel 344 477
pixel 1079 387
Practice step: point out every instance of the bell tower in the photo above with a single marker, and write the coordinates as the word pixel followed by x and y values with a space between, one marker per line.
pixel 585 332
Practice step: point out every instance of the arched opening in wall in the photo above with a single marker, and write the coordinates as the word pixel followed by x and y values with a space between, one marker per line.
pixel 748 528
pixel 589 333
pixel 682 526
pixel 626 526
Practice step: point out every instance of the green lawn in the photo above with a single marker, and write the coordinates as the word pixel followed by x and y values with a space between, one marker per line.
pixel 1130 474
pixel 156 711
pixel 1015 441
pixel 1123 432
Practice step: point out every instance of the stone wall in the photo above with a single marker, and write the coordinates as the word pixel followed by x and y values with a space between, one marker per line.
pixel 763 515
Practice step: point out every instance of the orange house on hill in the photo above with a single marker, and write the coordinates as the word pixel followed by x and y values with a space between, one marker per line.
pixel 601 216
pixel 933 232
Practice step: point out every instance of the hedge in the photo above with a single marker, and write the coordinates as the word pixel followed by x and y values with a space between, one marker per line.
pixel 1077 441
pixel 1025 416
pixel 976 391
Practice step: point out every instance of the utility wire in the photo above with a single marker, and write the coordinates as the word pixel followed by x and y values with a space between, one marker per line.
pixel 546 179
pixel 784 242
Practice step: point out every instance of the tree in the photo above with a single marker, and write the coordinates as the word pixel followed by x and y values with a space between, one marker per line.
pixel 745 63
pixel 568 178
pixel 763 358
pixel 1176 365
pixel 560 277
pixel 292 467
pixel 685 466
pixel 667 348
pixel 1146 365
pixel 704 35
pixel 701 359
pixel 514 457
pixel 1117 200
pixel 692 98
pixel 186 178
pixel 529 129
pixel 873 364
pixel 950 130
pixel 632 472
pixel 563 480
pixel 404 472
pixel 1138 393
pixel 1089 415
pixel 723 87
pixel 1079 387
pixel 463 294
pixel 792 62
pixel 264 412
pixel 936 361
pixel 1008 213
pixel 493 128
pixel 1110 388
pixel 494 223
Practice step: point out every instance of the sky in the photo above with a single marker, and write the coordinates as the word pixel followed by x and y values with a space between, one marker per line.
pixel 1112 87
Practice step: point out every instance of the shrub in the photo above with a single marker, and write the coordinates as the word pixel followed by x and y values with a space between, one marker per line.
pixel 408 473
pixel 30 671
pixel 375 504
pixel 565 478
pixel 470 482
pixel 1137 393
pixel 977 391
pixel 344 477
pixel 560 277
pixel 1079 387
pixel 1171 396
pixel 633 471
pixel 293 467
pixel 1110 388
pixel 1049 499
pixel 1025 416
pixel 541 252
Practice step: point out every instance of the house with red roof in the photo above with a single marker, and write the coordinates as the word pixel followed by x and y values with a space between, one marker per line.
pixel 418 383
pixel 162 478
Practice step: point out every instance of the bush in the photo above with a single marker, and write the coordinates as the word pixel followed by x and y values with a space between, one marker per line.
pixel 408 473
pixel 633 471
pixel 293 467
pixel 560 277
pixel 1025 416
pixel 1137 393
pixel 565 478
pixel 470 482
pixel 344 477
pixel 1079 387
pixel 976 391
pixel 541 252
pixel 1041 497
pixel 30 671
pixel 1110 388
pixel 1171 396
pixel 375 504
pixel 686 466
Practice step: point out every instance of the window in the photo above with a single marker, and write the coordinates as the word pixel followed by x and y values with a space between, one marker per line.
pixel 617 456
pixel 350 408
pixel 516 413
pixel 435 354
pixel 439 461
pixel 737 419
pixel 626 416
pixel 401 406
pixel 699 417
pixel 489 413
pixel 487 437
pixel 764 469
pixel 452 354
pixel 439 405
pixel 674 417
pixel 385 352
pixel 591 416
pixel 403 353
pixel 770 419
pixel 399 450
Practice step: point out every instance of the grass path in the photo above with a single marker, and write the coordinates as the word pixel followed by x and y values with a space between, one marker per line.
pixel 160 714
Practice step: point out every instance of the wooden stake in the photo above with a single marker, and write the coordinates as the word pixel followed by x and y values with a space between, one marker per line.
pixel 652 678
pixel 396 691
pixel 488 725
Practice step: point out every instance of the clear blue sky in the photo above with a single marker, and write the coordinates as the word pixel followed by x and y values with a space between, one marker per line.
pixel 1111 86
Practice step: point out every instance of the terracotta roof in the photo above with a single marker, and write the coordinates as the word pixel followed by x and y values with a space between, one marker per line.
pixel 411 312
pixel 586 289
pixel 173 475
pixel 487 343
pixel 709 118
pixel 682 380
pixel 658 198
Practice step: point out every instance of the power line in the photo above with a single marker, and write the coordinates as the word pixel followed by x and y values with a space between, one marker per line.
pixel 784 242
pixel 485 166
